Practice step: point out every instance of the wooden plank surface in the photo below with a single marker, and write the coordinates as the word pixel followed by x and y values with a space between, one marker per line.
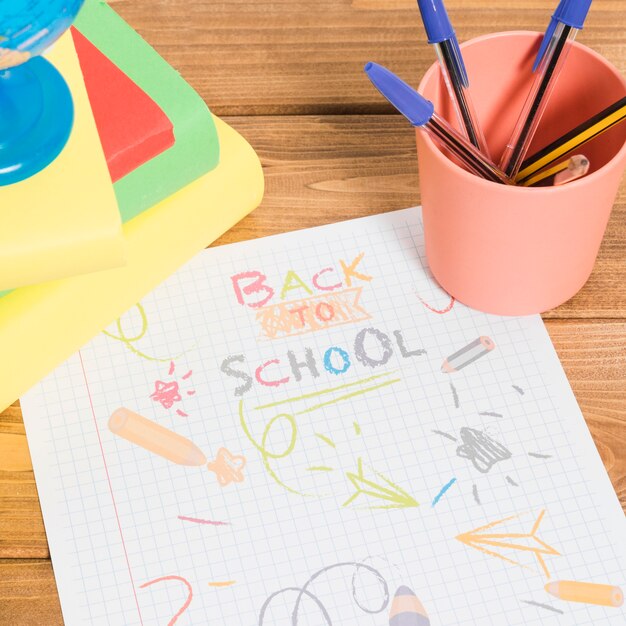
pixel 28 594
pixel 259 57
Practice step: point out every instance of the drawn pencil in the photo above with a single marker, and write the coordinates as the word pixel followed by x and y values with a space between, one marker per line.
pixel 589 593
pixel 156 438
pixel 468 354
pixel 407 610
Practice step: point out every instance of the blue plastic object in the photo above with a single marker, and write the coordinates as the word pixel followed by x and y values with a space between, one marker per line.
pixel 570 12
pixel 439 29
pixel 403 97
pixel 436 21
pixel 575 12
pixel 36 117
pixel 36 110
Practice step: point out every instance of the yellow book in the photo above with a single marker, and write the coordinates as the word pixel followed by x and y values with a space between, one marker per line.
pixel 63 220
pixel 42 325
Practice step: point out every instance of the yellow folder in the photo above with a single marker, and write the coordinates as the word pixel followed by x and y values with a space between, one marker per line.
pixel 63 220
pixel 42 325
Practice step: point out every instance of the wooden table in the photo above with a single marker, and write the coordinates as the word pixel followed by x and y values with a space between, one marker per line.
pixel 287 74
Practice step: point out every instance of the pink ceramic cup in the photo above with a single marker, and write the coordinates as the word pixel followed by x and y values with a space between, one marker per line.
pixel 520 250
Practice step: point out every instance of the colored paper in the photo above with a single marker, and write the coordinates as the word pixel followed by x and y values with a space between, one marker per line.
pixel 133 128
pixel 42 325
pixel 271 437
pixel 65 219
pixel 196 149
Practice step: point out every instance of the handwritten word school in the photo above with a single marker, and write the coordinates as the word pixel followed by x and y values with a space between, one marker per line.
pixel 372 348
pixel 331 299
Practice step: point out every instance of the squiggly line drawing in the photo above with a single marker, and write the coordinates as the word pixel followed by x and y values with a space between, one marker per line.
pixel 187 601
pixel 129 341
pixel 438 311
pixel 304 591
pixel 266 454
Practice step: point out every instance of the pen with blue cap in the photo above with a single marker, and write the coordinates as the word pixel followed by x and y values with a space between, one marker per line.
pixel 566 21
pixel 421 112
pixel 441 35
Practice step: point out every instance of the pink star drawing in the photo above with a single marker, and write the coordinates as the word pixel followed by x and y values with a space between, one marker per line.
pixel 168 393
pixel 227 467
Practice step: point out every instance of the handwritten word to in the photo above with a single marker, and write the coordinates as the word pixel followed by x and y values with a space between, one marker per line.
pixel 372 348
pixel 297 317
pixel 252 288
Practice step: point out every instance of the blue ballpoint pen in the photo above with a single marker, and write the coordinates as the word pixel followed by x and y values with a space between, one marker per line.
pixel 554 20
pixel 441 35
pixel 421 113
pixel 566 21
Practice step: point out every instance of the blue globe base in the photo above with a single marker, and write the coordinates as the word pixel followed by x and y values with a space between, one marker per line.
pixel 36 117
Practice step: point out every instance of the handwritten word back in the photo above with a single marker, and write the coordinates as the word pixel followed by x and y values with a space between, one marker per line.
pixel 336 301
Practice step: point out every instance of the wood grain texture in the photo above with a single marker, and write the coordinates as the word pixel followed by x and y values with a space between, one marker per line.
pixel 28 594
pixel 258 57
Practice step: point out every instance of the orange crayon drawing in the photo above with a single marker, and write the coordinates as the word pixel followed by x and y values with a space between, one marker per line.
pixel 307 315
pixel 502 543
pixel 184 607
pixel 155 438
pixel 227 467
pixel 589 593
pixel 225 583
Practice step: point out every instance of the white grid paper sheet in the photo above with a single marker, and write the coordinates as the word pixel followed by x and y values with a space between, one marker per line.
pixel 504 434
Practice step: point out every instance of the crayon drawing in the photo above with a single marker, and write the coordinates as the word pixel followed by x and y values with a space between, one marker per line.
pixel 133 341
pixel 377 491
pixel 187 602
pixel 228 467
pixel 167 393
pixel 501 543
pixel 304 598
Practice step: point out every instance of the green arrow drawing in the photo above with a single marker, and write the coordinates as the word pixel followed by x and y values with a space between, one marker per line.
pixel 392 493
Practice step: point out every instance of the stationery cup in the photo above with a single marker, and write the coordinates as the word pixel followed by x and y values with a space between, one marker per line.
pixel 520 250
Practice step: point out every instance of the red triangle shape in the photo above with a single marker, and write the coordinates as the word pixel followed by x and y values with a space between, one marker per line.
pixel 133 128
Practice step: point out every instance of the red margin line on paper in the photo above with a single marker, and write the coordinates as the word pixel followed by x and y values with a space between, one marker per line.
pixel 106 469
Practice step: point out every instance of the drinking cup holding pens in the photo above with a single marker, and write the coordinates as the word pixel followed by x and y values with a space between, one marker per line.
pixel 515 250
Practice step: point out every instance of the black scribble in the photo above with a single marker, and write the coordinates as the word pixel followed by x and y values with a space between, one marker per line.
pixel 483 451
pixel 455 396
pixel 511 481
pixel 518 389
pixel 446 435
pixel 490 413
pixel 475 493
pixel 542 606
pixel 540 456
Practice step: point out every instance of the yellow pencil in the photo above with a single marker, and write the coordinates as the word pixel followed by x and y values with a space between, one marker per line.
pixel 156 438
pixel 590 593
pixel 561 173
pixel 594 126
